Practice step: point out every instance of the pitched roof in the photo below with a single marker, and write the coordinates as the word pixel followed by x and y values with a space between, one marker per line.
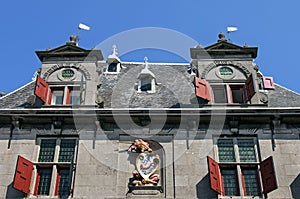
pixel 174 88
pixel 18 98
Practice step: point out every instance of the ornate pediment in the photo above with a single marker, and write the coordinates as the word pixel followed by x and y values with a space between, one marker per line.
pixel 69 52
pixel 222 45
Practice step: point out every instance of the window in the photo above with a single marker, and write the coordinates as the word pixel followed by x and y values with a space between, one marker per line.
pixel 56 157
pixel 228 93
pixel 236 151
pixel 64 95
pixel 146 84
pixel 237 171
pixel 113 68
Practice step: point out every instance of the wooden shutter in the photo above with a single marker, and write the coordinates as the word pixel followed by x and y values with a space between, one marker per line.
pixel 41 89
pixel 23 174
pixel 268 83
pixel 249 88
pixel 214 175
pixel 68 101
pixel 268 175
pixel 244 184
pixel 202 89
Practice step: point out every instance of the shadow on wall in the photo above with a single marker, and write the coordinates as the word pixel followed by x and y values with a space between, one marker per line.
pixel 295 188
pixel 12 193
pixel 203 189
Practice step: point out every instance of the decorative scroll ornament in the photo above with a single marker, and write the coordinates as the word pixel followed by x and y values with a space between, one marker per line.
pixel 147 164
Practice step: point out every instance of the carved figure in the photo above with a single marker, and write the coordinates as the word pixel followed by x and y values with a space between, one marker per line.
pixel 140 146
pixel 153 179
pixel 138 180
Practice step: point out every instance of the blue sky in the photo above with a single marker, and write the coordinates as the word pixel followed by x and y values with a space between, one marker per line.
pixel 27 26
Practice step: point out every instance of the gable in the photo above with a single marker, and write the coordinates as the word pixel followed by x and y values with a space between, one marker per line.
pixel 223 45
pixel 223 49
pixel 69 50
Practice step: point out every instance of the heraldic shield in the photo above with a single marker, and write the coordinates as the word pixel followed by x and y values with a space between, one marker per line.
pixel 147 164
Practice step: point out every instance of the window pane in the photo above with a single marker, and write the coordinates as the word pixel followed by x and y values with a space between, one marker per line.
pixel 246 150
pixel 146 84
pixel 220 95
pixel 75 97
pixel 45 181
pixel 226 150
pixel 251 182
pixel 237 93
pixel 57 97
pixel 67 148
pixel 47 150
pixel 230 182
pixel 112 67
pixel 63 189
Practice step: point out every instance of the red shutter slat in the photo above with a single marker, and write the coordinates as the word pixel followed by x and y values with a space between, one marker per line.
pixel 214 175
pixel 268 83
pixel 249 88
pixel 268 175
pixel 202 89
pixel 23 174
pixel 244 184
pixel 41 89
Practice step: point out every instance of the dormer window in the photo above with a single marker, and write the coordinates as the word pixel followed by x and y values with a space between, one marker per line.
pixel 146 84
pixel 67 95
pixel 146 80
pixel 58 94
pixel 113 61
pixel 113 68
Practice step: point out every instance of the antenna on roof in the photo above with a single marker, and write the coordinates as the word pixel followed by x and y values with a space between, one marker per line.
pixel 81 26
pixel 229 30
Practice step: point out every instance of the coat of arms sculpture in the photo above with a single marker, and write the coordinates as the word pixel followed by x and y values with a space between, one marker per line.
pixel 147 164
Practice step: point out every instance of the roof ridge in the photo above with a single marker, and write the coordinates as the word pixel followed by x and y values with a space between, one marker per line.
pixel 18 89
pixel 287 89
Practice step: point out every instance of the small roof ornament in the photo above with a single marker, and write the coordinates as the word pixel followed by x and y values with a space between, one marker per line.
pixel 221 37
pixel 146 62
pixel 113 58
pixel 73 40
pixel 145 70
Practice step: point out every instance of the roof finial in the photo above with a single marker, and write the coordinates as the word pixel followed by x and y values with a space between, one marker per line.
pixel 146 62
pixel 114 47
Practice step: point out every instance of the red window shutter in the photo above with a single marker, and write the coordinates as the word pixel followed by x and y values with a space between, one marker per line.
pixel 268 83
pixel 268 175
pixel 249 88
pixel 23 175
pixel 41 89
pixel 50 97
pixel 37 182
pixel 214 175
pixel 68 101
pixel 202 88
pixel 57 183
pixel 244 185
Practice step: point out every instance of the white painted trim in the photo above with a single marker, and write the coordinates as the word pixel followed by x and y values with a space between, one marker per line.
pixel 17 90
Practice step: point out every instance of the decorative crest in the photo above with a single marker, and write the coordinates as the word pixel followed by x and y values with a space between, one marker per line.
pixel 147 164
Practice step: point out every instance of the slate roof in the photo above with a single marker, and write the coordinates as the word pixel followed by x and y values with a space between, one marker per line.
pixel 18 98
pixel 119 91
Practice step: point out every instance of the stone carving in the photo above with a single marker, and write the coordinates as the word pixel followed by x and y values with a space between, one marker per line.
pixel 140 146
pixel 147 164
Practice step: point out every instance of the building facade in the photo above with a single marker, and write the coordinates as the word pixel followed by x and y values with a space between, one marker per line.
pixel 95 127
